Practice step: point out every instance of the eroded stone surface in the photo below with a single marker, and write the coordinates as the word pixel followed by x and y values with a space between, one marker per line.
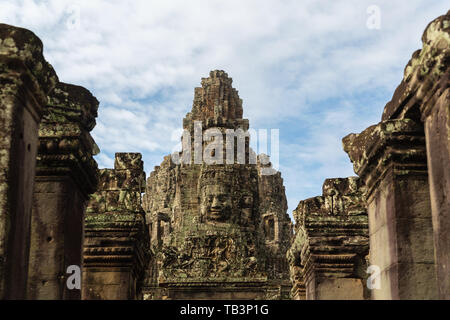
pixel 116 244
pixel 220 231
pixel 328 255
pixel 425 76
pixel 215 227
pixel 24 45
pixel 25 80
pixel 404 163
pixel 66 174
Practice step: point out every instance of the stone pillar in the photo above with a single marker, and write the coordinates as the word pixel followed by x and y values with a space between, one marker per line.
pixel 116 237
pixel 328 255
pixel 25 80
pixel 66 174
pixel 433 95
pixel 391 160
pixel 437 133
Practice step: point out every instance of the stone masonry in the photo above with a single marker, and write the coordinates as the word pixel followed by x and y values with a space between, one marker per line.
pixel 218 231
pixel 25 80
pixel 211 220
pixel 47 170
pixel 328 255
pixel 66 173
pixel 402 163
pixel 116 244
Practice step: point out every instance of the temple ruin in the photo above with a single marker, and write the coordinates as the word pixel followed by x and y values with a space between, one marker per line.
pixel 218 231
pixel 403 167
pixel 211 222
pixel 331 245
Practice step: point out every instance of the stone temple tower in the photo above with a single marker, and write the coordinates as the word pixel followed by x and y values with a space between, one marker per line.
pixel 216 212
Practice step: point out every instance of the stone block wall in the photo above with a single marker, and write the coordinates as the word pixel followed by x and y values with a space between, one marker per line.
pixel 403 163
pixel 219 231
pixel 65 176
pixel 213 231
pixel 25 80
pixel 398 204
pixel 47 170
pixel 116 243
pixel 328 255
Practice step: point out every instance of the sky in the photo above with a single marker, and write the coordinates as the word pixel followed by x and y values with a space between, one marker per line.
pixel 316 70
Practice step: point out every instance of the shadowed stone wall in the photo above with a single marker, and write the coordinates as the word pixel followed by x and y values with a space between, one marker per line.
pixel 65 176
pixel 25 80
pixel 46 170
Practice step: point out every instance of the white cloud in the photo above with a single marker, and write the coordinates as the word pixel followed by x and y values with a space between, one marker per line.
pixel 310 68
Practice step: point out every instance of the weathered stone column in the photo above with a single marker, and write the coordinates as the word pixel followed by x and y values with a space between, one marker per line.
pixel 432 92
pixel 66 173
pixel 423 95
pixel 391 159
pixel 116 244
pixel 436 117
pixel 328 255
pixel 25 80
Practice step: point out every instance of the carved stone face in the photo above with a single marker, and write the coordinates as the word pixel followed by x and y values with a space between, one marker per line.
pixel 215 203
pixel 246 208
pixel 247 201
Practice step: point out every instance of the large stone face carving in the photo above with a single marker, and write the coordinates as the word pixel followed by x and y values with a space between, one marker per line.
pixel 215 202
pixel 217 219
pixel 206 219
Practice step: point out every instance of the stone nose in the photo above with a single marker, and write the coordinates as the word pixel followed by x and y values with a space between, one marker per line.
pixel 215 203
